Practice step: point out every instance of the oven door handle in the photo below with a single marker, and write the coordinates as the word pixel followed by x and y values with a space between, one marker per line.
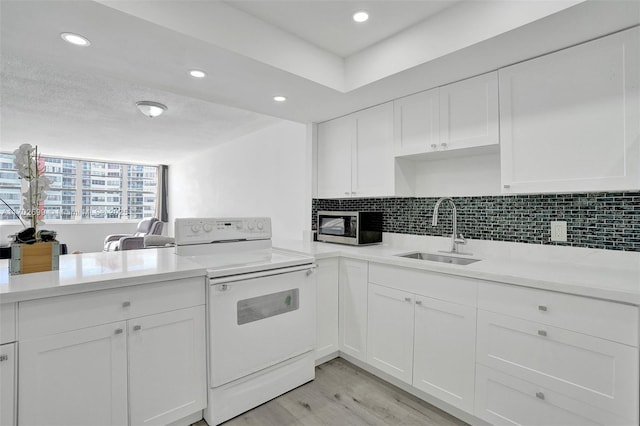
pixel 271 272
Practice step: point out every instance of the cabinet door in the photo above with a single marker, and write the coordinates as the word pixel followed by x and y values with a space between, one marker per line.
pixel 335 139
pixel 469 113
pixel 390 335
pixel 74 378
pixel 417 123
pixel 444 355
pixel 373 172
pixel 327 307
pixel 167 367
pixel 7 385
pixel 353 308
pixel 569 120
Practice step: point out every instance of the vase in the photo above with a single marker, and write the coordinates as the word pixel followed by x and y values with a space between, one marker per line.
pixel 37 257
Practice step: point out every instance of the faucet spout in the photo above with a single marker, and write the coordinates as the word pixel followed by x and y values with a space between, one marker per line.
pixel 455 240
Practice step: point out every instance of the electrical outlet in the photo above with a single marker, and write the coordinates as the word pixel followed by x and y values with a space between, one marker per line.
pixel 558 230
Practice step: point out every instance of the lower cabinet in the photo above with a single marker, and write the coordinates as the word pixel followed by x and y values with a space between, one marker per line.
pixel 426 342
pixel 353 307
pixel 151 370
pixel 7 385
pixel 167 359
pixel 74 378
pixel 327 295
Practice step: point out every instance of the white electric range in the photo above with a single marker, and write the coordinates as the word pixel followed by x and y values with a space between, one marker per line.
pixel 261 312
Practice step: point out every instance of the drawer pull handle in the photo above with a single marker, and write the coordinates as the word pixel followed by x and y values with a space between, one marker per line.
pixel 126 304
pixel 4 357
pixel 118 331
pixel 540 395
pixel 542 308
pixel 418 302
pixel 542 333
pixel 407 299
pixel 137 327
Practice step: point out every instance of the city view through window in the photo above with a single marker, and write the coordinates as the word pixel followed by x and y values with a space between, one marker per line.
pixel 85 190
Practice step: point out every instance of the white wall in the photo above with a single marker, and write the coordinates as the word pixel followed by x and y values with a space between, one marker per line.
pixel 86 237
pixel 266 173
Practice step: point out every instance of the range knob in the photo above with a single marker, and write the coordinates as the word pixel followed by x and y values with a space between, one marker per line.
pixel 195 227
pixel 251 225
pixel 207 227
pixel 260 225
pixel 239 225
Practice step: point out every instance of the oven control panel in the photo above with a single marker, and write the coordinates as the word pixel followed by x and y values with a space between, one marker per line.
pixel 209 230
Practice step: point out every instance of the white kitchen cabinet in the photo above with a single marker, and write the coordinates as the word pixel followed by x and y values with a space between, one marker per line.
pixel 444 351
pixel 460 115
pixel 353 307
pixel 7 385
pixel 327 291
pixel 502 399
pixel 390 331
pixel 167 366
pixel 569 120
pixel 417 123
pixel 355 154
pixel 7 322
pixel 335 139
pixel 469 113
pixel 74 378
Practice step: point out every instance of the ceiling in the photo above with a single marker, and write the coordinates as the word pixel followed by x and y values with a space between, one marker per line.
pixel 329 24
pixel 80 102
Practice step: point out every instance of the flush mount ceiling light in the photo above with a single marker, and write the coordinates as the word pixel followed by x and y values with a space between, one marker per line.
pixel 360 16
pixel 197 73
pixel 279 98
pixel 75 39
pixel 151 109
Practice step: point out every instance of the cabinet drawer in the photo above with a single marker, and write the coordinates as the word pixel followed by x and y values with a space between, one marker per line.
pixel 7 322
pixel 438 286
pixel 595 371
pixel 506 400
pixel 608 320
pixel 53 315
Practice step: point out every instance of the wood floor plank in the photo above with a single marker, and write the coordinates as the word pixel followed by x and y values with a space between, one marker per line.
pixel 344 395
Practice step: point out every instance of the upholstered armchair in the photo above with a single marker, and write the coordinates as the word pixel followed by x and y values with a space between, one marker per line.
pixel 116 242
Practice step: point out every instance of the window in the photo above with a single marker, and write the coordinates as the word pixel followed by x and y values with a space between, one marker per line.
pixel 86 190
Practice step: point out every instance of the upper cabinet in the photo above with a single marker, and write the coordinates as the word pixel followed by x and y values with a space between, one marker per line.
pixel 569 121
pixel 355 154
pixel 456 116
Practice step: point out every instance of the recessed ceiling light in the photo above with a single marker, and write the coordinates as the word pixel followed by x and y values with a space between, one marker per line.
pixel 76 39
pixel 360 16
pixel 197 73
pixel 279 98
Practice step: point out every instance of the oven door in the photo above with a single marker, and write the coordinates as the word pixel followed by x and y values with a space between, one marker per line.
pixel 258 320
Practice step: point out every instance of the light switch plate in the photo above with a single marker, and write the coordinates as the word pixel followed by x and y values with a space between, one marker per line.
pixel 558 230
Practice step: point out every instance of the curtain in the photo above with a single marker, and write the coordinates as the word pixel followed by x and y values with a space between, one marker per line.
pixel 162 209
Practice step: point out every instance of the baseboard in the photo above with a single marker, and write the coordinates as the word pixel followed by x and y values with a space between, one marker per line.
pixel 188 420
pixel 328 357
pixel 448 408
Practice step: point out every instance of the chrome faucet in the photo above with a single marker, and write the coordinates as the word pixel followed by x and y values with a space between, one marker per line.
pixel 455 238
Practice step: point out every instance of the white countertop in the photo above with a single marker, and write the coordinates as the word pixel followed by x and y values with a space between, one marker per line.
pixel 592 276
pixel 97 271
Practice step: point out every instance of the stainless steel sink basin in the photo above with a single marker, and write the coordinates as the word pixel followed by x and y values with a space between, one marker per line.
pixel 439 258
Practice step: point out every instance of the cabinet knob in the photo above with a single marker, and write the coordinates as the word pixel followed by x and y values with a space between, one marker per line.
pixel 418 302
pixel 443 144
pixel 118 331
pixel 539 395
pixel 346 193
pixel 407 299
pixel 434 146
pixel 506 186
pixel 4 357
pixel 353 193
pixel 126 304
pixel 542 333
pixel 542 308
pixel 137 327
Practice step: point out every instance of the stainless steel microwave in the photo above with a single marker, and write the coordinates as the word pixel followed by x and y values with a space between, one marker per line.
pixel 355 228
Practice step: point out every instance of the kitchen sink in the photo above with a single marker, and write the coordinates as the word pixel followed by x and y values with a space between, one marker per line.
pixel 439 258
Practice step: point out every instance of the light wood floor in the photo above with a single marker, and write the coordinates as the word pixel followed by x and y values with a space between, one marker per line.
pixel 343 394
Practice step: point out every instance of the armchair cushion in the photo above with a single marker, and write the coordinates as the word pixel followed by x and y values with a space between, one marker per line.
pixel 136 240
